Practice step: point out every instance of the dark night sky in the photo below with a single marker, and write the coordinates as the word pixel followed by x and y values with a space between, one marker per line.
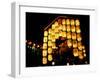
pixel 36 22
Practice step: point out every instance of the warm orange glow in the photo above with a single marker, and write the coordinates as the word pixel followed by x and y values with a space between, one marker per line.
pixel 68 28
pixel 69 35
pixel 56 35
pixel 56 23
pixel 49 37
pixel 45 39
pixel 63 21
pixel 50 31
pixel 73 28
pixel 49 43
pixel 45 33
pixel 78 29
pixel 72 22
pixel 63 28
pixel 44 60
pixel 44 53
pixel 54 46
pixel 79 37
pixel 44 45
pixel 63 34
pixel 74 44
pixel 50 58
pixel 81 55
pixel 75 52
pixel 69 43
pixel 73 36
pixel 77 22
pixel 49 50
pixel 67 21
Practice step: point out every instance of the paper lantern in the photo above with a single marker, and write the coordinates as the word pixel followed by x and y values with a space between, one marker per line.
pixel 64 28
pixel 45 39
pixel 80 55
pixel 50 58
pixel 78 30
pixel 75 52
pixel 73 28
pixel 44 45
pixel 69 35
pixel 56 35
pixel 49 43
pixel 73 36
pixel 68 21
pixel 75 44
pixel 44 60
pixel 56 23
pixel 50 30
pixel 69 43
pixel 49 50
pixel 72 22
pixel 79 38
pixel 49 37
pixel 63 34
pixel 63 21
pixel 77 22
pixel 45 33
pixel 44 53
pixel 68 28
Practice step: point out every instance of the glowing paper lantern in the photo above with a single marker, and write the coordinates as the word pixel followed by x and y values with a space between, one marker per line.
pixel 80 47
pixel 78 29
pixel 79 37
pixel 68 28
pixel 45 39
pixel 56 35
pixel 53 26
pixel 69 35
pixel 44 45
pixel 56 23
pixel 74 44
pixel 45 33
pixel 77 22
pixel 49 43
pixel 60 27
pixel 68 21
pixel 50 58
pixel 80 55
pixel 44 53
pixel 63 21
pixel 63 28
pixel 50 31
pixel 69 43
pixel 44 60
pixel 49 37
pixel 63 34
pixel 53 45
pixel 49 50
pixel 72 22
pixel 73 28
pixel 75 52
pixel 73 36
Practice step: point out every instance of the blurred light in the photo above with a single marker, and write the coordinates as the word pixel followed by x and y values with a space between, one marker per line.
pixel 84 54
pixel 69 43
pixel 38 46
pixel 67 21
pixel 73 28
pixel 53 26
pixel 73 36
pixel 45 39
pixel 64 28
pixel 30 43
pixel 49 43
pixel 79 37
pixel 69 35
pixel 50 58
pixel 44 53
pixel 44 45
pixel 75 52
pixel 67 64
pixel 74 44
pixel 80 55
pixel 45 33
pixel 68 28
pixel 56 23
pixel 77 22
pixel 72 22
pixel 63 34
pixel 54 46
pixel 50 31
pixel 84 50
pixel 49 37
pixel 78 29
pixel 49 50
pixel 63 21
pixel 53 63
pixel 56 35
pixel 44 60
pixel 53 38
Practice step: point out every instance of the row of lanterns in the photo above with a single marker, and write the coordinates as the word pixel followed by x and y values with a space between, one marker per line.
pixel 68 29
